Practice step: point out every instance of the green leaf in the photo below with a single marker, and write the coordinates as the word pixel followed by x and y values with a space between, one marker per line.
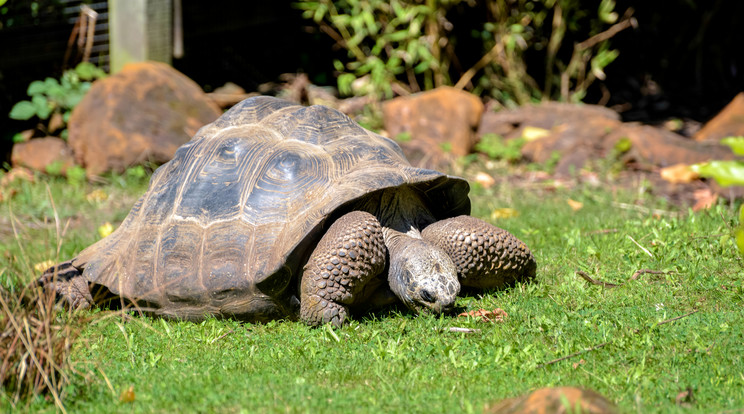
pixel 606 13
pixel 344 83
pixel 726 173
pixel 43 109
pixel 601 60
pixel 50 83
pixel 23 110
pixel 516 28
pixel 735 143
pixel 35 88
pixel 338 65
pixel 18 137
pixel 76 175
pixel 87 71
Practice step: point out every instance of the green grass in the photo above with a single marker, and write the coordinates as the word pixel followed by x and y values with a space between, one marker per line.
pixel 398 362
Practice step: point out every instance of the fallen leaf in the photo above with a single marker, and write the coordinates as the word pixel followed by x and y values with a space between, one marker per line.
pixel 484 179
pixel 127 396
pixel 575 205
pixel 530 133
pixel 576 364
pixel 679 173
pixel 97 196
pixel 704 199
pixel 500 213
pixel 496 315
pixel 105 229
pixel 42 266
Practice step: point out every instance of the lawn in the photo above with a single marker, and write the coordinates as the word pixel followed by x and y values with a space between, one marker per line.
pixel 668 338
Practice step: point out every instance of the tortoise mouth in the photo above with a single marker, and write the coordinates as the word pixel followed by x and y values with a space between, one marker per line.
pixel 428 301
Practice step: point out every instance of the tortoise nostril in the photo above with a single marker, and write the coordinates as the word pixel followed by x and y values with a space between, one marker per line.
pixel 427 296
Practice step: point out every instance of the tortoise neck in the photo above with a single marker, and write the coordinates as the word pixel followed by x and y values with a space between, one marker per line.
pixel 400 210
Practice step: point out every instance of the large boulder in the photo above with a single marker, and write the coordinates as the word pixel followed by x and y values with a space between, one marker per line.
pixel 143 113
pixel 583 133
pixel 40 153
pixel 440 123
pixel 555 400
pixel 728 122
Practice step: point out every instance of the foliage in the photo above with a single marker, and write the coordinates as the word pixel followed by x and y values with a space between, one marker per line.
pixel 52 97
pixel 497 148
pixel 387 53
pixel 384 42
pixel 726 173
pixel 394 361
pixel 516 28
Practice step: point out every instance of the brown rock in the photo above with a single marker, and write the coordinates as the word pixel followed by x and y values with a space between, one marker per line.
pixel 143 113
pixel 546 115
pixel 553 400
pixel 653 147
pixel 38 153
pixel 581 133
pixel 728 122
pixel 441 122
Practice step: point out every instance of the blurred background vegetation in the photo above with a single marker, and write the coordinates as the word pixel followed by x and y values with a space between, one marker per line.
pixel 649 60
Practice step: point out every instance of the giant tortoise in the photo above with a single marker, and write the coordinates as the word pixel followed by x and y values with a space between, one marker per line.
pixel 277 210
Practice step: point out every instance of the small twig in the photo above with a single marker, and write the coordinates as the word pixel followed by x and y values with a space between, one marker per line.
pixel 665 321
pixel 612 31
pixel 463 330
pixel 609 285
pixel 603 344
pixel 589 279
pixel 641 247
pixel 221 336
pixel 485 60
pixel 640 272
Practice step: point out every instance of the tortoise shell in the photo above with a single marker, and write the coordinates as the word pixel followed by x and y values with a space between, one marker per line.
pixel 226 226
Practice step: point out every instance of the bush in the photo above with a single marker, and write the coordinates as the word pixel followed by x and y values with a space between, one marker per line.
pixel 52 100
pixel 402 46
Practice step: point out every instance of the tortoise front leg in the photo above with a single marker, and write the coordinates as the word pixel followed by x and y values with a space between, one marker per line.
pixel 350 254
pixel 485 256
pixel 68 283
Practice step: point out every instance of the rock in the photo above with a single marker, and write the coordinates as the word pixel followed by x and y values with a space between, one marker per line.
pixel 143 113
pixel 39 153
pixel 655 148
pixel 547 115
pixel 728 122
pixel 582 133
pixel 552 400
pixel 228 95
pixel 441 123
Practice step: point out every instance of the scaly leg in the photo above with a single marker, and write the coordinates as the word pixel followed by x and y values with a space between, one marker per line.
pixel 68 283
pixel 350 254
pixel 485 256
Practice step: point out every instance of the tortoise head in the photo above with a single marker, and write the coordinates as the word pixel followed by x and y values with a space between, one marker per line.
pixel 421 274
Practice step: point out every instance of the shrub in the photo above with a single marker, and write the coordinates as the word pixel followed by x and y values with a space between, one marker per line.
pixel 52 100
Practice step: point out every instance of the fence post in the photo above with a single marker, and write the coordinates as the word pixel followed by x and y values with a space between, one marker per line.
pixel 140 30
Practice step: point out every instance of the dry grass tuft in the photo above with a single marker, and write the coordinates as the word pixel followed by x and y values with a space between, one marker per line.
pixel 35 345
